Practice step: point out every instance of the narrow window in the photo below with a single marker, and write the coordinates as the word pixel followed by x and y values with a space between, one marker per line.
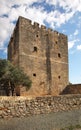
pixel 49 104
pixel 37 35
pixel 56 42
pixel 34 75
pixel 59 76
pixel 59 55
pixel 35 49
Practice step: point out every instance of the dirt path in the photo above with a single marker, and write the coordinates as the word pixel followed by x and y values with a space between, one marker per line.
pixel 52 121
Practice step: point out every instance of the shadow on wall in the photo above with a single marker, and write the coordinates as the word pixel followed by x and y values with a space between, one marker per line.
pixel 72 89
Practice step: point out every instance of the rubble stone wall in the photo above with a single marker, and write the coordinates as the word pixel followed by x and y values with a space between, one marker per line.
pixel 25 106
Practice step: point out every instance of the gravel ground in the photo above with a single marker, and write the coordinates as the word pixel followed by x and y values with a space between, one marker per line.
pixel 52 121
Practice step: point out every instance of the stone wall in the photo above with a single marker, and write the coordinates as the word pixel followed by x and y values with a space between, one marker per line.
pixel 25 106
pixel 13 46
pixel 72 89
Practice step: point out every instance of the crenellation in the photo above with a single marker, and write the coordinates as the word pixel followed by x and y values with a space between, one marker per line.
pixel 56 32
pixel 43 27
pixel 25 21
pixel 50 30
pixel 56 36
pixel 62 36
pixel 36 25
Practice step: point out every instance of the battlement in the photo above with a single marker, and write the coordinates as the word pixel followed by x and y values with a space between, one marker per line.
pixel 28 21
pixel 43 27
pixel 40 27
pixel 62 35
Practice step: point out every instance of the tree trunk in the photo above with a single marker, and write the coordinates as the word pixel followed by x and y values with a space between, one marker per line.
pixel 17 90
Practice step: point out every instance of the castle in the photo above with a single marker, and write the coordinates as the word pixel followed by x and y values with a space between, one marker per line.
pixel 42 54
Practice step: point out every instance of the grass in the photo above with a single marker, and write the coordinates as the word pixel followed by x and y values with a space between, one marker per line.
pixel 71 127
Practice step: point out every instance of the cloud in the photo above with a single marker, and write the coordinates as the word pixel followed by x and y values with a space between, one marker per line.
pixel 76 32
pixel 5 30
pixel 36 14
pixel 74 5
pixel 52 2
pixel 4 49
pixel 56 18
pixel 8 14
pixel 72 43
pixel 79 47
pixel 11 9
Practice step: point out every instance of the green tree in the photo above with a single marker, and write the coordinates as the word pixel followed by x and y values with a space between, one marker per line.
pixel 12 76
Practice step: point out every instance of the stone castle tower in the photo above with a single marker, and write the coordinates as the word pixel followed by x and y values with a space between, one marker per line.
pixel 43 55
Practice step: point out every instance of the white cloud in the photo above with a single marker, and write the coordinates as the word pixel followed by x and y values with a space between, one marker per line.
pixel 72 43
pixel 5 30
pixel 76 32
pixel 52 2
pixel 4 8
pixel 79 47
pixel 5 50
pixel 36 14
pixel 54 18
pixel 74 5
pixel 11 14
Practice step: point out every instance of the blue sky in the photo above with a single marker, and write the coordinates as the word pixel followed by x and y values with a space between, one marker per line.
pixel 61 15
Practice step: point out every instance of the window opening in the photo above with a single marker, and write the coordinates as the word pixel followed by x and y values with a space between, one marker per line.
pixel 59 55
pixel 59 76
pixel 35 49
pixel 34 75
pixel 37 35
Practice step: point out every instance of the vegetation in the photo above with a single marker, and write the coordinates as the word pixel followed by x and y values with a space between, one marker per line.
pixel 70 83
pixel 11 77
pixel 72 127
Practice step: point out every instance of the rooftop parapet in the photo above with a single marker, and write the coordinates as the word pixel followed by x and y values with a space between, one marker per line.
pixel 43 27
pixel 27 21
pixel 56 32
pixel 63 36
pixel 50 30
pixel 36 25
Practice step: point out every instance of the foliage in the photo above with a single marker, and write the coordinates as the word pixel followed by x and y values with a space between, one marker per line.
pixel 12 76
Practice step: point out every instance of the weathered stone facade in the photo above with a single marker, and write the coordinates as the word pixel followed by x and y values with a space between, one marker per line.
pixel 43 55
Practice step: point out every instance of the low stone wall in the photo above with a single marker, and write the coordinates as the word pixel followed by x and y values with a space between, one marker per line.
pixel 24 106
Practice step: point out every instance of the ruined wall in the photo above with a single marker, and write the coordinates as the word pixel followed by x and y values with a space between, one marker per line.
pixel 43 55
pixel 72 89
pixel 25 106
